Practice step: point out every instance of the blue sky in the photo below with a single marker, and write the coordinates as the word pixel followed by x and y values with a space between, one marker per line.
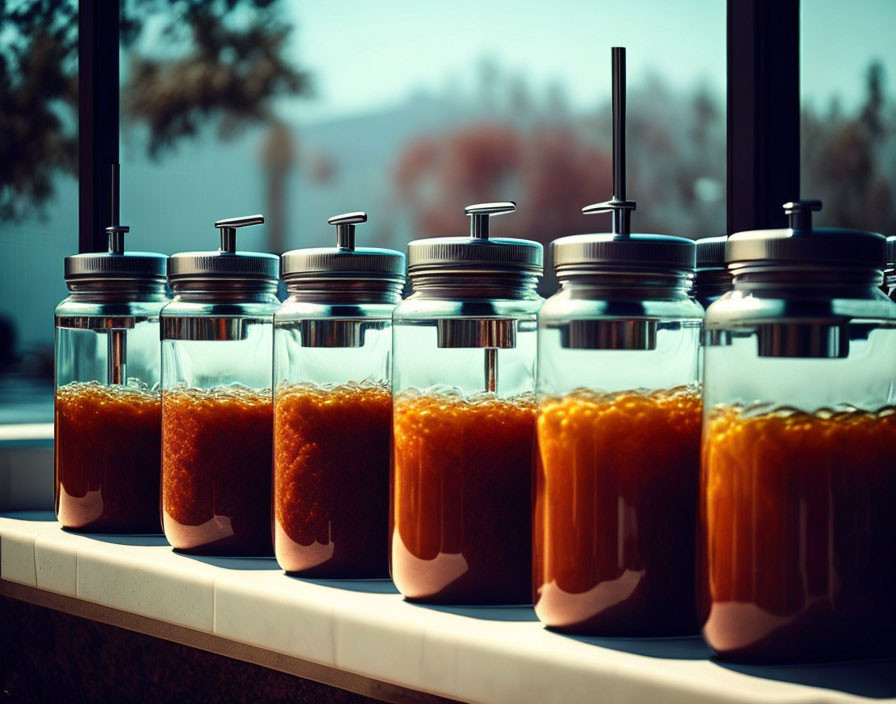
pixel 839 39
pixel 367 54
pixel 374 52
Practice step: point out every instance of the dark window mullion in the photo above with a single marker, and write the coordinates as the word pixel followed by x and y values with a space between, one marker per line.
pixel 763 111
pixel 98 102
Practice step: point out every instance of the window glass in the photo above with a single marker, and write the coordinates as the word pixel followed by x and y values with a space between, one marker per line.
pixel 303 110
pixel 848 141
pixel 38 195
pixel 411 111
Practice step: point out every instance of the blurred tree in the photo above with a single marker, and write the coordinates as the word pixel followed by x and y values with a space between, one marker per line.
pixel 38 100
pixel 844 160
pixel 218 58
pixel 437 175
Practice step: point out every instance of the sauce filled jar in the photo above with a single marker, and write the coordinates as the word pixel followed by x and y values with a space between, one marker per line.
pixel 464 417
pixel 333 407
pixel 798 478
pixel 619 414
pixel 713 279
pixel 217 416
pixel 107 405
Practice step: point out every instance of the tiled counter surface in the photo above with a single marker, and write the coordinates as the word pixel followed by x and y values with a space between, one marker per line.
pixel 477 655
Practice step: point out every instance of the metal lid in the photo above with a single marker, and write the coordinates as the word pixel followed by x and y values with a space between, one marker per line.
pixel 344 260
pixel 115 263
pixel 617 250
pixel 477 252
pixel 226 262
pixel 801 244
pixel 711 252
pixel 891 252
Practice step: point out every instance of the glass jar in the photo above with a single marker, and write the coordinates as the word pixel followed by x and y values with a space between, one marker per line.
pixel 464 418
pixel 713 279
pixel 333 407
pixel 798 483
pixel 619 414
pixel 107 407
pixel 217 418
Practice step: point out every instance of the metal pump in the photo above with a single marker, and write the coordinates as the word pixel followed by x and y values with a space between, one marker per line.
pixel 227 277
pixel 116 338
pixel 113 278
pixel 343 280
pixel 491 334
pixel 797 266
pixel 822 340
pixel 619 259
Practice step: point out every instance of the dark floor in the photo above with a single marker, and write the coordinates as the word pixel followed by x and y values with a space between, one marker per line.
pixel 48 656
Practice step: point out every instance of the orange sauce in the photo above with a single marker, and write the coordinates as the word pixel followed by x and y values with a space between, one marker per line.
pixel 461 498
pixel 108 444
pixel 616 512
pixel 331 479
pixel 799 533
pixel 216 470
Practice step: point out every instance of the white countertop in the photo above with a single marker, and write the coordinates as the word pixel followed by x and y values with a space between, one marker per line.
pixel 489 655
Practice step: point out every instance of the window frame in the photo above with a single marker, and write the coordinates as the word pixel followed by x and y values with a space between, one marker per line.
pixel 763 115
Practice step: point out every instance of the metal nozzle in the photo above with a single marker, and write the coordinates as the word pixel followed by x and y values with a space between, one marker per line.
pixel 228 228
pixel 480 214
pixel 799 213
pixel 491 334
pixel 116 356
pixel 345 228
pixel 806 340
pixel 634 334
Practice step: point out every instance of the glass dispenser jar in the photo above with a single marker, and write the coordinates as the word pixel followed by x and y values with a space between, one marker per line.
pixel 333 407
pixel 713 278
pixel 798 480
pixel 464 417
pixel 217 418
pixel 619 415
pixel 107 407
pixel 619 412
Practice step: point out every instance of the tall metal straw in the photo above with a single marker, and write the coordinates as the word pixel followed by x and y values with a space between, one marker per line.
pixel 621 216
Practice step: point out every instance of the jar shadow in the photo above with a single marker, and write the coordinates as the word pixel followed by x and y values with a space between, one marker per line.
pixel 380 585
pixel 667 648
pixel 135 539
pixel 234 563
pixel 483 613
pixel 866 678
